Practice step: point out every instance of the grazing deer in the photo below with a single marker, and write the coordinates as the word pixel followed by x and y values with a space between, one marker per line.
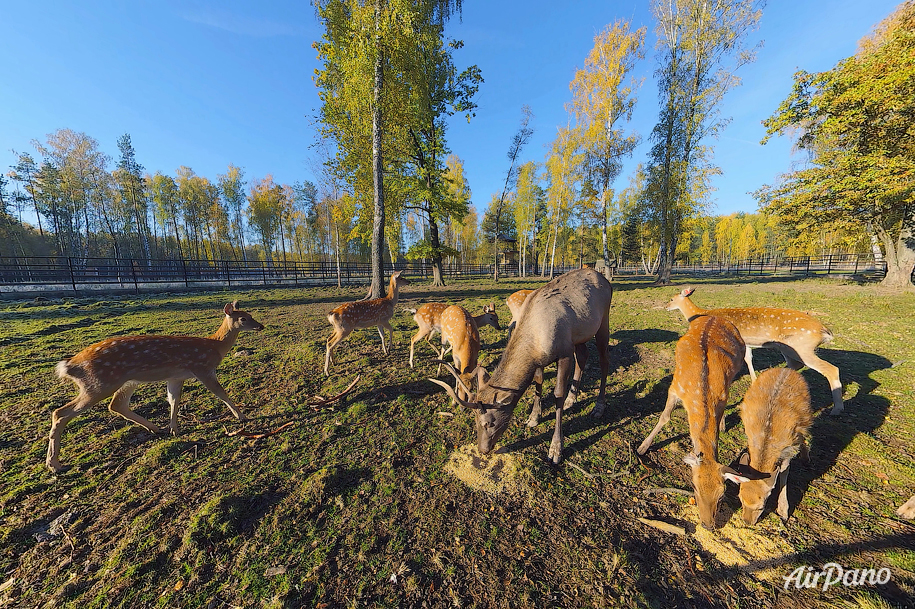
pixel 515 303
pixel 429 319
pixel 364 314
pixel 776 417
pixel 708 357
pixel 559 319
pixel 460 331
pixel 795 334
pixel 116 366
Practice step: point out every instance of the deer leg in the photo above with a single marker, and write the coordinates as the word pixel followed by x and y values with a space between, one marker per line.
pixel 173 393
pixel 804 453
pixel 581 358
pixel 792 362
pixel 749 359
pixel 665 418
pixel 782 484
pixel 120 405
pixel 210 382
pixel 534 419
pixel 832 375
pixel 602 339
pixel 332 341
pixel 415 338
pixel 59 420
pixel 564 367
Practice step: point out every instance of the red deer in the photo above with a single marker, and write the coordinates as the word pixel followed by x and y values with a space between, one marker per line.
pixel 708 357
pixel 559 319
pixel 117 366
pixel 793 333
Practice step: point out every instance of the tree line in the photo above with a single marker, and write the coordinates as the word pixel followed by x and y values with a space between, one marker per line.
pixel 388 187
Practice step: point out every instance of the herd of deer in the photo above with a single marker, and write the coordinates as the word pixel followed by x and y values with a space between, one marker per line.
pixel 550 324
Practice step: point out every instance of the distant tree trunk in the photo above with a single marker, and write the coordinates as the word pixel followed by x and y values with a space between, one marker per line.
pixel 437 275
pixel 337 256
pixel 377 165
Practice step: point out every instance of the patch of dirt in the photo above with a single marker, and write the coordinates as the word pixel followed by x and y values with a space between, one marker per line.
pixel 493 474
pixel 750 549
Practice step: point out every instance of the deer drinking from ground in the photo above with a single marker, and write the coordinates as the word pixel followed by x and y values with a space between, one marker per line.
pixel 429 319
pixel 364 314
pixel 117 366
pixel 559 319
pixel 795 334
pixel 776 418
pixel 708 357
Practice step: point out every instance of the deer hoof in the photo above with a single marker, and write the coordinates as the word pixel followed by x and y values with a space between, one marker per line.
pixel 533 420
pixel 836 410
pixel 555 453
pixel 598 410
pixel 57 468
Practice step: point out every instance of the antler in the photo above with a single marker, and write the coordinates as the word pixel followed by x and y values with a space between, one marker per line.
pixel 450 390
pixel 454 372
pixel 322 401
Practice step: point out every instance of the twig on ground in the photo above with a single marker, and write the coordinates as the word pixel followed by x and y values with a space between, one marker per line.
pixel 69 539
pixel 667 491
pixel 322 401
pixel 442 413
pixel 663 526
pixel 257 436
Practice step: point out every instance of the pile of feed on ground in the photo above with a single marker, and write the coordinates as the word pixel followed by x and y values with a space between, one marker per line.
pixel 355 504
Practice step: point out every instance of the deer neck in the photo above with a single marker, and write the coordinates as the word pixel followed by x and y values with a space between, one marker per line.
pixel 690 310
pixel 225 336
pixel 392 291
pixel 514 372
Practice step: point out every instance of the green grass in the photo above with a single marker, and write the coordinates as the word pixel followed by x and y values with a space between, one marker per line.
pixel 354 493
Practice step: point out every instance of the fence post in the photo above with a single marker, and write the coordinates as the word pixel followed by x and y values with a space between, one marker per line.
pixel 228 277
pixel 184 270
pixel 133 272
pixel 72 279
pixel 264 271
pixel 807 271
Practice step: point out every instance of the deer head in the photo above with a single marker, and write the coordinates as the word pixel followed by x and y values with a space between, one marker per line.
pixel 755 490
pixel 240 320
pixel 679 299
pixel 492 407
pixel 708 483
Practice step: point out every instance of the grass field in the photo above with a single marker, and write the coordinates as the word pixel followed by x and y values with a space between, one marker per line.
pixel 352 505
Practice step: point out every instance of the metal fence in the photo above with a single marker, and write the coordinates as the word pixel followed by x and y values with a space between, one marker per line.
pixel 73 274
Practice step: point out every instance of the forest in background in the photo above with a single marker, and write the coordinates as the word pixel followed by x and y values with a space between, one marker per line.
pixel 68 197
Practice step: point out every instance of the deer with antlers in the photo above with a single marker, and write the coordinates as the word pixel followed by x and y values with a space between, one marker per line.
pixel 428 318
pixel 795 334
pixel 117 366
pixel 708 357
pixel 364 314
pixel 776 418
pixel 559 319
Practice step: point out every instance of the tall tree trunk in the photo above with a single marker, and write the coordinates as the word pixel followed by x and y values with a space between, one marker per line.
pixel 337 256
pixel 377 165
pixel 437 275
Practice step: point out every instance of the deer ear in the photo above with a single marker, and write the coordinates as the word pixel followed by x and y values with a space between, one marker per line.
pixel 229 308
pixel 744 458
pixel 482 376
pixel 692 459
pixel 687 291
pixel 733 475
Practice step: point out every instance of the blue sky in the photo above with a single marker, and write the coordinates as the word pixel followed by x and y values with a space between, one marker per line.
pixel 205 84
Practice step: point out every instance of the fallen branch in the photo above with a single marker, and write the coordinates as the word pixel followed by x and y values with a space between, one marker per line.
pixel 667 491
pixel 442 413
pixel 257 436
pixel 663 526
pixel 322 401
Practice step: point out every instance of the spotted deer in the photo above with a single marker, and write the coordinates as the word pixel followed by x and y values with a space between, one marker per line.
pixel 364 314
pixel 117 366
pixel 429 319
pixel 559 319
pixel 460 331
pixel 795 334
pixel 776 418
pixel 708 357
pixel 515 303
